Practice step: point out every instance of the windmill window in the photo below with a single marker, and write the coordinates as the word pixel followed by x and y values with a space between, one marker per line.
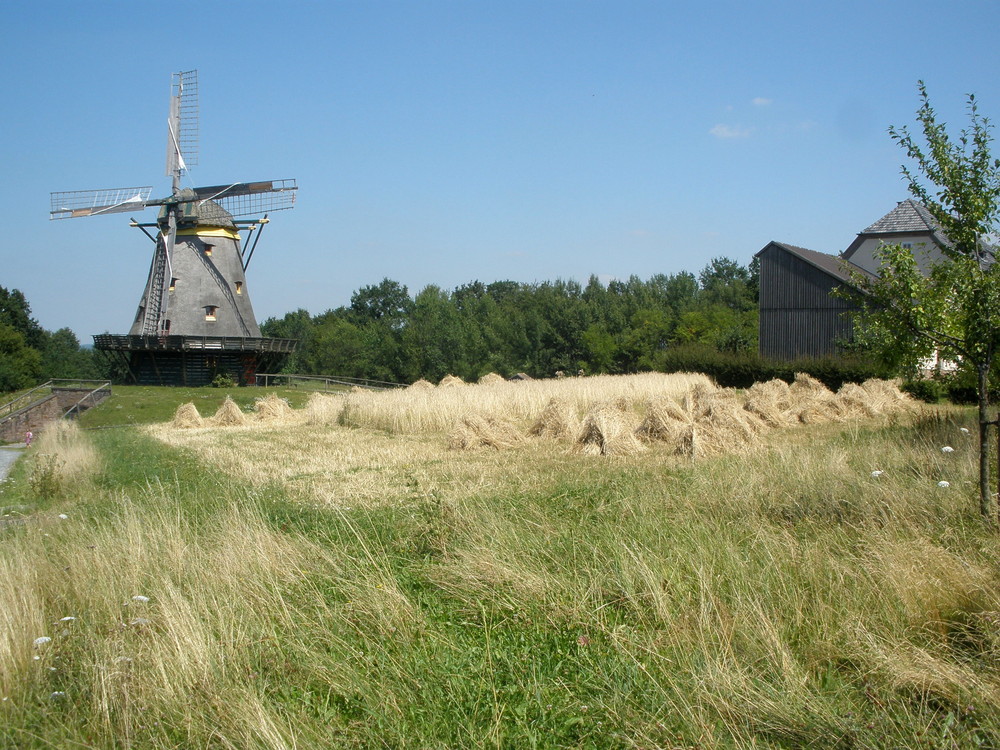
pixel 208 250
pixel 173 283
pixel 239 287
pixel 210 312
pixel 166 326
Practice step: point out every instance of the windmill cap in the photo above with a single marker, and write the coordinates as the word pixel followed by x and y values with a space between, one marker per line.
pixel 199 213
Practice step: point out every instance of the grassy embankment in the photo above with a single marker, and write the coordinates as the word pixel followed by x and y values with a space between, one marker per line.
pixel 312 584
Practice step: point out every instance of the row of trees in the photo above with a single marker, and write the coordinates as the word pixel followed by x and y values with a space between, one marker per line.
pixel 508 327
pixel 29 354
pixel 505 326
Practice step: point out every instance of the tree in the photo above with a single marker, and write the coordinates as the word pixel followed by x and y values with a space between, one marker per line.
pixel 62 356
pixel 16 312
pixel 954 310
pixel 387 301
pixel 20 365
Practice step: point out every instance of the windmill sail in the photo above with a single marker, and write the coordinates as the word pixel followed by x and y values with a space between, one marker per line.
pixel 182 124
pixel 76 203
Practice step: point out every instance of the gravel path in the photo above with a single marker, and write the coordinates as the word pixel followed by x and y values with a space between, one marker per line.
pixel 7 458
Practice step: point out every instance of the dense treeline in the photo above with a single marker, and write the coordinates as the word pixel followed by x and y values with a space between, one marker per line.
pixel 539 329
pixel 29 354
pixel 505 327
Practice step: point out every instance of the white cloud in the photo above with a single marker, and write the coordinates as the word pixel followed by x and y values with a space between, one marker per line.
pixel 760 101
pixel 729 131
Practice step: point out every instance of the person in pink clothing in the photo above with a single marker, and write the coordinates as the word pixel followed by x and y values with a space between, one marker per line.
pixel 27 439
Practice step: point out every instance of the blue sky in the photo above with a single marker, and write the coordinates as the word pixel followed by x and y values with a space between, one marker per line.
pixel 446 141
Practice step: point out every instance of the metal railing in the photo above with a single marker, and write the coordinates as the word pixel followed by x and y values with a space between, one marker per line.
pixel 45 390
pixel 93 398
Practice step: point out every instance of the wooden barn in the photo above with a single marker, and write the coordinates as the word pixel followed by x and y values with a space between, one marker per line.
pixel 799 314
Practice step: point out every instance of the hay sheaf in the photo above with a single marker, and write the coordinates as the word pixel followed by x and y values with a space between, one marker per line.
pixel 491 378
pixel 228 415
pixel 451 381
pixel 186 417
pixel 771 401
pixel 606 431
pixel 323 409
pixel 557 420
pixel 475 431
pixel 271 408
pixel 812 401
pixel 706 423
pixel 664 420
pixel 421 385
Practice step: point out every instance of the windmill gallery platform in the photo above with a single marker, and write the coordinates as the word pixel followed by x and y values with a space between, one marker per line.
pixel 195 360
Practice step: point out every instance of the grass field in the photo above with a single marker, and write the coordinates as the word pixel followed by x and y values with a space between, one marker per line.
pixel 301 582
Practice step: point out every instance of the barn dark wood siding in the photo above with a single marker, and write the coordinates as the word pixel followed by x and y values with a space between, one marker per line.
pixel 799 317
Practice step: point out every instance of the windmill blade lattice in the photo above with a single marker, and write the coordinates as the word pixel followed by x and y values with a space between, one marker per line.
pixel 76 203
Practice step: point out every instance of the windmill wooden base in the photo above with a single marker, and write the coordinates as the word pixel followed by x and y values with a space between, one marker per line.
pixel 194 360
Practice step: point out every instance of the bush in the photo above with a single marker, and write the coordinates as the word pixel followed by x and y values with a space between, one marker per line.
pixel 743 369
pixel 930 391
pixel 223 380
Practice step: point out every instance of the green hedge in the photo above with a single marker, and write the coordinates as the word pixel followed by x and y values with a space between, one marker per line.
pixel 741 370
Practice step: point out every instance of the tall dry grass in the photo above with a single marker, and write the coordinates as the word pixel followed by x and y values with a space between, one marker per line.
pixel 782 597
pixel 63 461
pixel 422 410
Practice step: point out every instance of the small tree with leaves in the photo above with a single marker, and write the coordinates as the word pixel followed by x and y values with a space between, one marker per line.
pixel 954 309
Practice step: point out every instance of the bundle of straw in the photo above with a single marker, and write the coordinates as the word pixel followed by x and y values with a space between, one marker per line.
pixel 186 417
pixel 228 415
pixel 475 431
pixel 606 432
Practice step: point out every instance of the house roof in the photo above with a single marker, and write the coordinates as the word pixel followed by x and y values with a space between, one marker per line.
pixel 907 216
pixel 833 265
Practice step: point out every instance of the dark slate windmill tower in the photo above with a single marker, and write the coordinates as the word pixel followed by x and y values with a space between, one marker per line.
pixel 194 320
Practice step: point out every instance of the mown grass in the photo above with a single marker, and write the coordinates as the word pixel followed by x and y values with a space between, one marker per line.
pixel 531 598
pixel 142 404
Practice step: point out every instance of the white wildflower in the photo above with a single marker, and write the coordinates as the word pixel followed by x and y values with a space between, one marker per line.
pixel 140 598
pixel 41 641
pixel 942 483
pixel 70 618
pixel 947 449
pixel 63 516
pixel 57 694
pixel 964 430
pixel 877 473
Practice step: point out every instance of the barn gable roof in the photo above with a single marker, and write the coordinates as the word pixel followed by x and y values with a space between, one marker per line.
pixel 832 265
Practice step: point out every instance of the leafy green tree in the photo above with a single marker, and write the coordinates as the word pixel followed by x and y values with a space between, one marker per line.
pixel 432 340
pixel 387 301
pixel 62 357
pixel 296 325
pixel 16 312
pixel 20 365
pixel 726 282
pixel 954 310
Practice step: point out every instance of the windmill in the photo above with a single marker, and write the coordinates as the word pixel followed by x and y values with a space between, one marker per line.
pixel 194 320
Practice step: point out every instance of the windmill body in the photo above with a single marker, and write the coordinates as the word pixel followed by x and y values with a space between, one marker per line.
pixel 194 321
pixel 200 289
